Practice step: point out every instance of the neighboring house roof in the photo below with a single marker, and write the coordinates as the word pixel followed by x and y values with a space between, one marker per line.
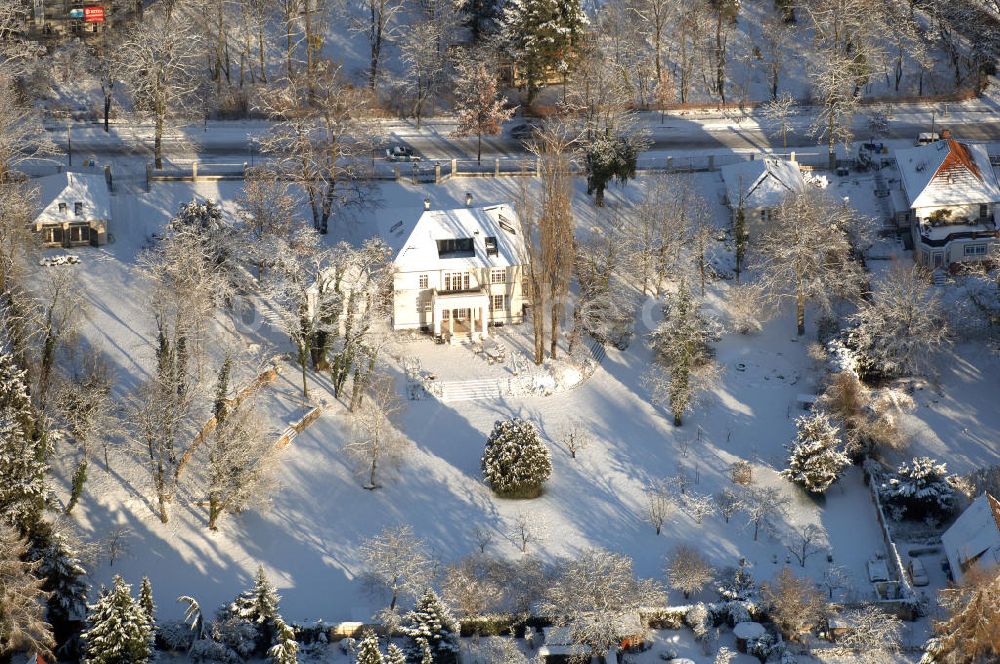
pixel 948 173
pixel 761 183
pixel 415 242
pixel 72 188
pixel 974 537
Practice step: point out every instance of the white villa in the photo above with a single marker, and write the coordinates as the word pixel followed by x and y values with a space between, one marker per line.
pixel 974 538
pixel 76 209
pixel 759 186
pixel 951 195
pixel 457 271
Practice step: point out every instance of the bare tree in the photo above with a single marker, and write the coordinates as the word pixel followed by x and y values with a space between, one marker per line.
pixel 903 326
pixel 22 136
pixel 241 461
pixel 321 140
pixel 525 530
pixel 835 578
pixel 698 505
pixel 728 502
pixel 687 571
pixel 483 537
pixel 806 541
pixel 874 637
pixel 22 608
pixel 749 307
pixel 659 505
pixel 377 442
pixel 479 106
pixel 594 594
pixel 575 438
pixel 380 27
pixel 795 603
pixel 469 587
pixel 419 47
pixel 158 61
pixel 806 253
pixel 762 505
pixel 397 561
pixel 116 544
pixel 268 212
pixel 778 113
pixel 967 635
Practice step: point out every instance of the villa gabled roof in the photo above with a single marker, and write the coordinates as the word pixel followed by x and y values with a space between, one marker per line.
pixel 975 536
pixel 71 188
pixel 761 183
pixel 414 240
pixel 946 173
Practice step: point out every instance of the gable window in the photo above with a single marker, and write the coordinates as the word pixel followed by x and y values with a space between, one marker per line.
pixel 491 246
pixel 62 208
pixel 498 276
pixel 459 246
pixel 975 250
pixel 422 281
pixel 498 302
pixel 456 281
pixel 78 208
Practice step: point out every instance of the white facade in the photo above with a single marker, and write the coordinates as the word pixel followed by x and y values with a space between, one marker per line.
pixel 974 538
pixel 758 186
pixel 76 209
pixel 953 196
pixel 457 271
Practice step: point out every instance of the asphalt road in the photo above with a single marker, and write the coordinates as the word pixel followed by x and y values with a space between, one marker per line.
pixel 675 134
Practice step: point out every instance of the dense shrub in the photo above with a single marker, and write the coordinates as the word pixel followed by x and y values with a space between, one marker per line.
pixel 516 461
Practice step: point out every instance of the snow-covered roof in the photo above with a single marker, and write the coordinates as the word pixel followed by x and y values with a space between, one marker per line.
pixel 975 536
pixel 947 173
pixel 71 188
pixel 761 183
pixel 414 240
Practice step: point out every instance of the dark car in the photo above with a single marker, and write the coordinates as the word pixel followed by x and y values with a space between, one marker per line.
pixel 400 153
pixel 523 131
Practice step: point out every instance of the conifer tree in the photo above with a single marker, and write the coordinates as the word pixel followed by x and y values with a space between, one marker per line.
pixel 541 36
pixel 516 461
pixel 286 648
pixel 259 604
pixel 22 459
pixel 368 652
pixel 431 622
pixel 146 600
pixel 395 655
pixel 22 624
pixel 814 460
pixel 64 577
pixel 119 630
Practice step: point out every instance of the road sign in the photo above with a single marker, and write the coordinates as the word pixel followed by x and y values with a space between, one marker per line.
pixel 93 14
pixel 76 13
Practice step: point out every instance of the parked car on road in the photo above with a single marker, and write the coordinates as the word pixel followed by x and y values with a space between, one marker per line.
pixel 400 153
pixel 523 131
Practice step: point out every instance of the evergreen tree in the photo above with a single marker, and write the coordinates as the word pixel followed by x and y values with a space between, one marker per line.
pixel 146 600
pixel 516 461
pixel 259 604
pixel 286 648
pixel 814 461
pixel 119 630
pixel 368 652
pixel 431 622
pixel 608 158
pixel 64 578
pixel 480 17
pixel 541 36
pixel 22 623
pixel 22 458
pixel 395 655
pixel 921 487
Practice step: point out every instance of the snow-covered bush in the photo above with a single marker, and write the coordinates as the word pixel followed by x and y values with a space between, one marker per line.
pixel 666 618
pixel 814 461
pixel 238 635
pixel 920 488
pixel 207 651
pixel 516 461
pixel 698 620
pixel 174 635
pixel 761 647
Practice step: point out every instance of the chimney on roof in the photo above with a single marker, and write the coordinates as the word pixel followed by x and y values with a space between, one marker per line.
pixel 468 199
pixel 427 203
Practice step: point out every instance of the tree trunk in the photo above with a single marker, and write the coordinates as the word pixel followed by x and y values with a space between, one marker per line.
pixel 371 475
pixel 677 420
pixel 162 500
pixel 800 312
pixel 214 509
pixel 107 111
pixel 479 147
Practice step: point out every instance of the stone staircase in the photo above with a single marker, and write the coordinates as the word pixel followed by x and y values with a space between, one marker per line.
pixel 939 278
pixel 470 390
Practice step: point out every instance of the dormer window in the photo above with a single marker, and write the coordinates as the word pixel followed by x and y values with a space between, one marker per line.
pixel 62 208
pixel 491 246
pixel 78 208
pixel 460 247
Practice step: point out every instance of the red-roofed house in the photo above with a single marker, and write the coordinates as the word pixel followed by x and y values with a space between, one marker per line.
pixel 953 197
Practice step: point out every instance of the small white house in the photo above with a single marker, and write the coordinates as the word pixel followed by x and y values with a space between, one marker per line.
pixel 758 187
pixel 75 209
pixel 456 271
pixel 951 196
pixel 974 538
